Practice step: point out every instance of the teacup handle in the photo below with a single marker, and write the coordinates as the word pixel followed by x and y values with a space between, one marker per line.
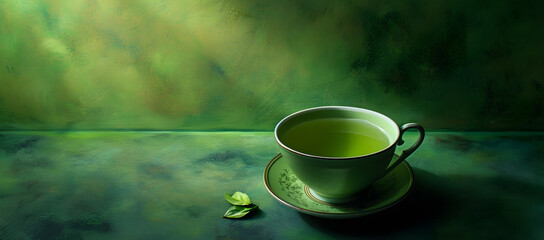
pixel 405 153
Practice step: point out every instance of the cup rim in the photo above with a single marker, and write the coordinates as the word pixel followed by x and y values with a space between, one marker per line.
pixel 292 115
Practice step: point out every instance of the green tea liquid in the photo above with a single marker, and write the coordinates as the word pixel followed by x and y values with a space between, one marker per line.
pixel 336 137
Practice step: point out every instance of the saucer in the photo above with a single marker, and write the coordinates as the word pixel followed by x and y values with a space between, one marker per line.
pixel 384 193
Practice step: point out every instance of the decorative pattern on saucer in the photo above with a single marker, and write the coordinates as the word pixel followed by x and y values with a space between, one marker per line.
pixel 282 183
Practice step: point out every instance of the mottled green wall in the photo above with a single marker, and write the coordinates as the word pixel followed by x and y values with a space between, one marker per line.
pixel 240 64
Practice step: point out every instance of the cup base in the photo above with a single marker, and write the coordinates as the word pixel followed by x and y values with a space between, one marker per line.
pixel 318 198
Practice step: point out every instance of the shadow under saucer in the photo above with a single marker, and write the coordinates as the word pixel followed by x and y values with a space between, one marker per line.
pixel 417 211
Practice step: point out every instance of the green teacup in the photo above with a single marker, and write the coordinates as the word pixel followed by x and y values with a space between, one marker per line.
pixel 340 151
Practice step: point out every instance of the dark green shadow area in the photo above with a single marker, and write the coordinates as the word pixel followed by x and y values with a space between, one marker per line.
pixel 448 208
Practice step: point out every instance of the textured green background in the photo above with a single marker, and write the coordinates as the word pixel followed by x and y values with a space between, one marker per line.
pixel 239 64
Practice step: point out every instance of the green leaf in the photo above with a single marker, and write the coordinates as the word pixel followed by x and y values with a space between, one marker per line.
pixel 242 205
pixel 238 199
pixel 239 211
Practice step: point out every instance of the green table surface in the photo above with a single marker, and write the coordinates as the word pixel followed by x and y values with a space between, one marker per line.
pixel 171 185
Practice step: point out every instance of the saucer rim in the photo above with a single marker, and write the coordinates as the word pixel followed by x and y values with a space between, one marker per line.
pixel 337 215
